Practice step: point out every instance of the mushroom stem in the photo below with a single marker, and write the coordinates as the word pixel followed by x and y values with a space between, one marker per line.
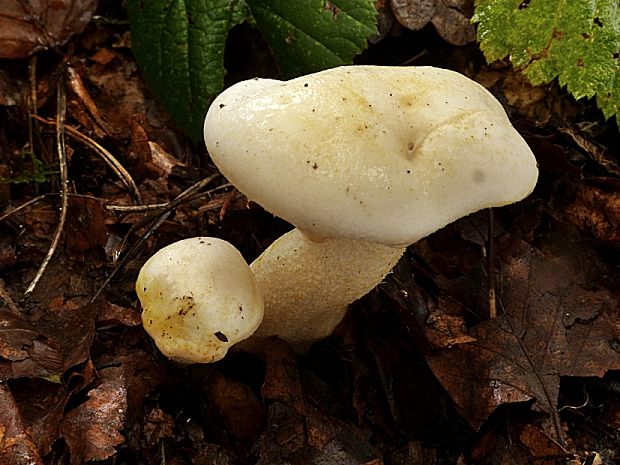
pixel 307 285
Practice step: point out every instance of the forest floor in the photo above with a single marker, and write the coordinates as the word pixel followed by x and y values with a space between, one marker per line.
pixel 416 374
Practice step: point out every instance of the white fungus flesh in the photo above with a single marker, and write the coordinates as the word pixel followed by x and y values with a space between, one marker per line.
pixel 321 276
pixel 198 298
pixel 382 155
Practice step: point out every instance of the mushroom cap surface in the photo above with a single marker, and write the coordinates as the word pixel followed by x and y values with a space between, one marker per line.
pixel 198 298
pixel 383 154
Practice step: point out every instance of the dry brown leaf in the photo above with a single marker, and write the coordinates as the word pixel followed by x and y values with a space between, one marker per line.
pixel 157 425
pixel 445 329
pixel 92 430
pixel 282 382
pixel 453 24
pixel 385 20
pixel 597 212
pixel 16 446
pixel 120 94
pixel 134 371
pixel 24 351
pixel 111 314
pixel 83 107
pixel 27 27
pixel 243 414
pixel 414 14
pixel 298 432
pixel 451 18
pixel 86 226
pixel 541 445
pixel 553 326
pixel 48 348
pixel 41 405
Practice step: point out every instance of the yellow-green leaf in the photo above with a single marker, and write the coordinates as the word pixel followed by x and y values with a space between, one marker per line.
pixel 576 41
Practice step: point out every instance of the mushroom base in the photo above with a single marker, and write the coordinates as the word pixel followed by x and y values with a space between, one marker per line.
pixel 307 285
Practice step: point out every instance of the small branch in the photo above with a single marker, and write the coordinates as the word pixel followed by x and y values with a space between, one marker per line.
pixel 32 107
pixel 491 299
pixel 61 108
pixel 552 407
pixel 107 157
pixel 184 196
pixel 160 206
pixel 23 206
pixel 41 197
pixel 155 221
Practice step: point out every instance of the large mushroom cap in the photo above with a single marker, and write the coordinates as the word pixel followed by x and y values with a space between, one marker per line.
pixel 198 298
pixel 384 154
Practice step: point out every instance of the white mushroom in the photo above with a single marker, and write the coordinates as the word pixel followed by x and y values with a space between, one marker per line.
pixel 364 161
pixel 198 298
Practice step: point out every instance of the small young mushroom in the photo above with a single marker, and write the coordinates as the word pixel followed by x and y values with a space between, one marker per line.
pixel 364 161
pixel 198 298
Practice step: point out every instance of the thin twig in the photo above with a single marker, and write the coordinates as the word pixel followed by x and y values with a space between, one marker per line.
pixel 577 407
pixel 152 228
pixel 107 157
pixel 184 196
pixel 414 58
pixel 160 206
pixel 32 105
pixel 61 107
pixel 155 222
pixel 137 208
pixel 492 301
pixel 552 407
pixel 24 205
pixel 41 197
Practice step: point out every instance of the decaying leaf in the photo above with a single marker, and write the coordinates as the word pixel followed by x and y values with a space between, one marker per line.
pixel 111 315
pixel 92 430
pixel 554 325
pixel 451 18
pixel 597 212
pixel 16 447
pixel 242 413
pixel 24 351
pixel 11 89
pixel 157 425
pixel 86 228
pixel 414 14
pixel 298 431
pixel 385 20
pixel 29 26
pixel 42 407
pixel 540 444
pixel 49 347
pixel 453 23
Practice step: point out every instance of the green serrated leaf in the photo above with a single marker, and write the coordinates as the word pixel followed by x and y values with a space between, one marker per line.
pixel 577 41
pixel 179 45
pixel 312 35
